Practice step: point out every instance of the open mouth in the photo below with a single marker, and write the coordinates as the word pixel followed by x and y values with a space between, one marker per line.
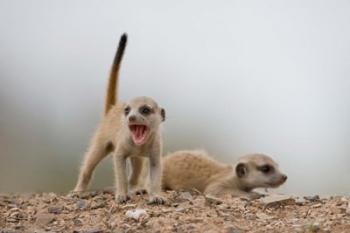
pixel 138 133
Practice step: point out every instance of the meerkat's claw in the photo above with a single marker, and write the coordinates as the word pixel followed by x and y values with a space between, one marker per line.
pixel 137 191
pixel 140 192
pixel 159 200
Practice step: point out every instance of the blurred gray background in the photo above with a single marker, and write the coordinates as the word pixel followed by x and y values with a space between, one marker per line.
pixel 234 76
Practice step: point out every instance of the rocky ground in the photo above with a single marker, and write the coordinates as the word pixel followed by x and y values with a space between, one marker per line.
pixel 96 211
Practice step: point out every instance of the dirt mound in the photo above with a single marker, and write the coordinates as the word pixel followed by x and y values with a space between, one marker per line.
pixel 96 211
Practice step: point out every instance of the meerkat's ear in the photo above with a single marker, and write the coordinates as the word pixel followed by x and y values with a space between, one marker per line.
pixel 241 170
pixel 162 113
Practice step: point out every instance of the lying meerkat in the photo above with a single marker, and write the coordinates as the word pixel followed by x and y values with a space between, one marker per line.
pixel 128 129
pixel 195 169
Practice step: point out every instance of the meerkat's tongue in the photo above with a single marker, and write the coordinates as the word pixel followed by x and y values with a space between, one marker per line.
pixel 138 133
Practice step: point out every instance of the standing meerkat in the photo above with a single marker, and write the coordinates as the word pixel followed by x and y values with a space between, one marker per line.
pixel 195 169
pixel 128 129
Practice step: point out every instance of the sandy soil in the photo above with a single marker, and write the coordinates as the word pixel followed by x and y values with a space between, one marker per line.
pixel 96 211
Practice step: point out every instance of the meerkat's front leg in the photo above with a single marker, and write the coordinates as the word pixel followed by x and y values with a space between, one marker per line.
pixel 217 189
pixel 135 186
pixel 120 176
pixel 156 178
pixel 250 195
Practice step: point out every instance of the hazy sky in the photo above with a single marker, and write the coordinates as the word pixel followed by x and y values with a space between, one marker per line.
pixel 235 77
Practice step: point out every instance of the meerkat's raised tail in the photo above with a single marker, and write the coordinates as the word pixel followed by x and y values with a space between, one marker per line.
pixel 111 95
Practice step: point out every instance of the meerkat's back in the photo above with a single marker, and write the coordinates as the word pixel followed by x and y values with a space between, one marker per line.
pixel 190 169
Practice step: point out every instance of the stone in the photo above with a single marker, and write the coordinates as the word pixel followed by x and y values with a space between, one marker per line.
pixel 118 230
pixel 175 204
pixel 315 227
pixel 348 209
pixel 317 205
pixel 180 209
pixel 136 213
pixel 87 195
pixel 298 228
pixel 300 201
pixel 232 229
pixel 263 216
pixel 128 206
pixel 277 200
pixel 7 231
pixel 186 196
pixel 250 216
pixel 92 230
pixel 98 204
pixel 55 209
pixel 312 198
pixel 82 204
pixel 44 219
pixel 77 222
pixel 167 210
pixel 211 200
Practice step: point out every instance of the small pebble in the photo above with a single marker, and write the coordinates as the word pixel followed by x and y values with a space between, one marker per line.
pixel 136 213
pixel 55 209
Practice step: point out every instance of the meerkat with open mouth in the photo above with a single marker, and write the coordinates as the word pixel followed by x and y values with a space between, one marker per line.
pixel 128 129
pixel 196 170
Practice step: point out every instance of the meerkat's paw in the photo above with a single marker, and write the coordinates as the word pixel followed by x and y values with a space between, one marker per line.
pixel 157 199
pixel 78 189
pixel 122 198
pixel 72 194
pixel 255 195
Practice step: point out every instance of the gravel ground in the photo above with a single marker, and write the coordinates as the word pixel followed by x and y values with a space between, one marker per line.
pixel 96 211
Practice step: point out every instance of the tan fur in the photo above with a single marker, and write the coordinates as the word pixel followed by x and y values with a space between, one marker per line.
pixel 196 170
pixel 114 135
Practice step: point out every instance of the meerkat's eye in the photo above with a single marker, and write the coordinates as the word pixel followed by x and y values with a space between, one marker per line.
pixel 266 169
pixel 145 110
pixel 126 110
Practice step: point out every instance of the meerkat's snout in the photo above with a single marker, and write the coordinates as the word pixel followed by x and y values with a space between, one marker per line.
pixel 132 119
pixel 280 181
pixel 274 177
pixel 284 178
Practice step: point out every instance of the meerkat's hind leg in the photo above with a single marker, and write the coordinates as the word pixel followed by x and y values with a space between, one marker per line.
pixel 136 182
pixel 96 152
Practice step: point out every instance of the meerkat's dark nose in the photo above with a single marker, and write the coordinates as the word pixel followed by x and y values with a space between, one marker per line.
pixel 132 118
pixel 284 177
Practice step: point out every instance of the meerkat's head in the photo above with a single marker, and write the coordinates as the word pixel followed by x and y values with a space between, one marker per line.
pixel 143 117
pixel 258 171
